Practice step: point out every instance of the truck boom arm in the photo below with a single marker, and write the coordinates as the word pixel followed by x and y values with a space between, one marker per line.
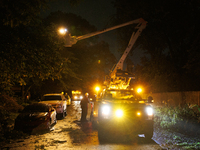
pixel 116 79
pixel 141 25
pixel 71 40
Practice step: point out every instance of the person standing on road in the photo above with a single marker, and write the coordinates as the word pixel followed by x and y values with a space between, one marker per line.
pixel 84 107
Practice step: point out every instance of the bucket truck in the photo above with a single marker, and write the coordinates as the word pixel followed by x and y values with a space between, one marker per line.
pixel 117 77
pixel 119 110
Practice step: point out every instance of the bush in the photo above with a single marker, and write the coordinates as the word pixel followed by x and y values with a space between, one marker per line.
pixel 7 132
pixel 4 117
pixel 9 103
pixel 165 116
pixel 182 119
pixel 8 107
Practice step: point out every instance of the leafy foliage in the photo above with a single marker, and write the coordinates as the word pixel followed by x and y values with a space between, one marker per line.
pixel 30 51
pixel 28 54
pixel 8 107
pixel 181 119
pixel 170 40
pixel 4 115
pixel 91 59
pixel 9 103
pixel 15 13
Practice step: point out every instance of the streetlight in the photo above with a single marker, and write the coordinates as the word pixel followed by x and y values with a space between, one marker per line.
pixel 139 90
pixel 62 31
pixel 69 40
pixel 97 89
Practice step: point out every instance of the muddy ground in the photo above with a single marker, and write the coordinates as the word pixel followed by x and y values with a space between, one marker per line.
pixel 70 133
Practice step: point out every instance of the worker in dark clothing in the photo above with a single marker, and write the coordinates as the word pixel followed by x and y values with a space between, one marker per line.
pixel 84 107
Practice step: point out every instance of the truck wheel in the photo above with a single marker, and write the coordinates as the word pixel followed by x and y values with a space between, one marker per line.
pixel 149 134
pixel 102 135
pixel 105 135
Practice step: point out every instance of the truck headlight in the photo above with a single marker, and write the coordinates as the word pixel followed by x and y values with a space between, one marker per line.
pixel 149 111
pixel 106 110
pixel 138 113
pixel 119 113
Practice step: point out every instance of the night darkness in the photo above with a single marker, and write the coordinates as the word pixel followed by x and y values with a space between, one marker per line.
pixel 34 62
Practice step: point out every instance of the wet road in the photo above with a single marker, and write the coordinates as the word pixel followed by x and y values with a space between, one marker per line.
pixel 69 133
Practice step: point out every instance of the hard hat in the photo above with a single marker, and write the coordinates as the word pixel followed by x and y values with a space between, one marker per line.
pixel 86 94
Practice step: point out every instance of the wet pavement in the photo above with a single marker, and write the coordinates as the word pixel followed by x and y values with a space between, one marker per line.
pixel 70 133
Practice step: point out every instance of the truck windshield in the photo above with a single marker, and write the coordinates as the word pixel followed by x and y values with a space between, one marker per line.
pixel 119 94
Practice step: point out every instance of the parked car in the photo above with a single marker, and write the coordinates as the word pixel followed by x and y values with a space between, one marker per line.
pixel 36 116
pixel 77 97
pixel 58 101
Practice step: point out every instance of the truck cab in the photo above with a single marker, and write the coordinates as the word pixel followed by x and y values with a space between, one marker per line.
pixel 124 112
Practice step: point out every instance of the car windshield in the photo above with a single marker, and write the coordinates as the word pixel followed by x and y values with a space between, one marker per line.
pixel 119 94
pixel 51 98
pixel 36 108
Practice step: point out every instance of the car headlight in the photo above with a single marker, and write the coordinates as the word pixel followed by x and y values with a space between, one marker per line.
pixel 149 111
pixel 75 97
pixel 105 110
pixel 81 97
pixel 119 113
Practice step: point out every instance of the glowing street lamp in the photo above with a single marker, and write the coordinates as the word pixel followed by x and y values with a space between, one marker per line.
pixel 139 90
pixel 97 89
pixel 62 31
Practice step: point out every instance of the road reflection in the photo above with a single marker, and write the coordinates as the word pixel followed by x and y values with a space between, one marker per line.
pixel 70 133
pixel 87 134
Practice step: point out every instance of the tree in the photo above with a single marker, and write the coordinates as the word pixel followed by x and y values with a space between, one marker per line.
pixel 30 52
pixel 21 12
pixel 85 54
pixel 168 40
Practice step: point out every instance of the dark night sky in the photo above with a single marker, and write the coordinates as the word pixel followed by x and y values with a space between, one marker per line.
pixel 97 13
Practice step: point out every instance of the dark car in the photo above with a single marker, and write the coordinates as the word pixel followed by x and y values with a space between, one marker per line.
pixel 37 117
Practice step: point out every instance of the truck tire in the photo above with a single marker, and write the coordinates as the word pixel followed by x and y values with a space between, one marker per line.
pixel 149 134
